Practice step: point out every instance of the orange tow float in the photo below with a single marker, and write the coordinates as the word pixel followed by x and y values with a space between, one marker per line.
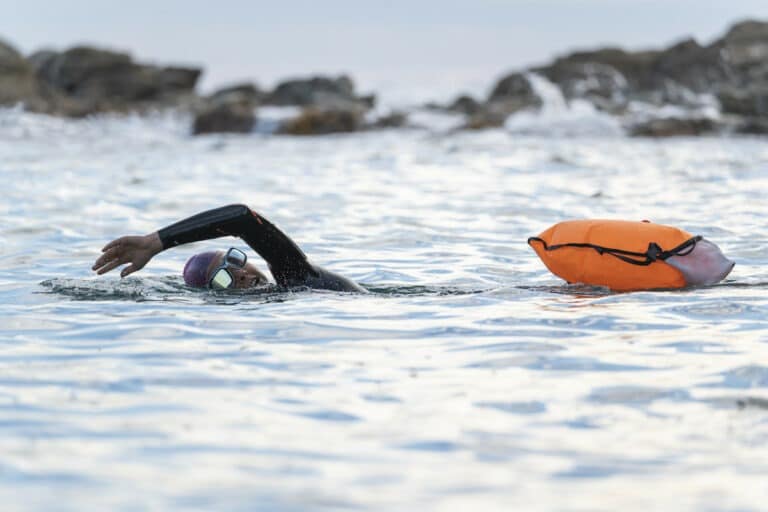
pixel 626 255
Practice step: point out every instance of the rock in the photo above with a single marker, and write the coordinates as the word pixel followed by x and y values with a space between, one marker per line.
pixel 17 79
pixel 510 94
pixel 691 65
pixel 746 44
pixel 11 61
pixel 753 126
pixel 492 115
pixel 734 68
pixel 367 101
pixel 322 92
pixel 599 83
pixel 751 101
pixel 744 49
pixel 670 127
pixel 513 87
pixel 40 59
pixel 464 104
pixel 47 99
pixel 247 93
pixel 698 68
pixel 19 84
pixel 673 75
pixel 75 70
pixel 103 80
pixel 678 75
pixel 634 67
pixel 331 105
pixel 229 110
pixel 225 118
pixel 391 120
pixel 610 77
pixel 177 80
pixel 316 121
pixel 579 79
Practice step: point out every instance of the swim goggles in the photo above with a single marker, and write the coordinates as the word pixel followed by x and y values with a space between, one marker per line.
pixel 221 277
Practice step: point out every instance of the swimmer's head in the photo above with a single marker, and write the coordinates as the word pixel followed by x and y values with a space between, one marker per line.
pixel 196 269
pixel 200 267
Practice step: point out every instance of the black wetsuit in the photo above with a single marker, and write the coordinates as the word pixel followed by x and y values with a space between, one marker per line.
pixel 288 265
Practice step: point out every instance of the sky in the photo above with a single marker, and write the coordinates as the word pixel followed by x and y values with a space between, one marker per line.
pixel 428 49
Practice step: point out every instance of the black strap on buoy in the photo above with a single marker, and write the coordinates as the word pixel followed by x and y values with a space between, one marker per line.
pixel 653 253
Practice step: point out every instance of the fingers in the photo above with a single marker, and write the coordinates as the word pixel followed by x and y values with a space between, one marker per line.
pixel 126 249
pixel 110 254
pixel 114 243
pixel 109 266
pixel 112 258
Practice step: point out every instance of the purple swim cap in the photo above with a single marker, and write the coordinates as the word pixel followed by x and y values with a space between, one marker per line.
pixel 196 269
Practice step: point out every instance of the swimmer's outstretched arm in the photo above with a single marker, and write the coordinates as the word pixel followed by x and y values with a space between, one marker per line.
pixel 287 263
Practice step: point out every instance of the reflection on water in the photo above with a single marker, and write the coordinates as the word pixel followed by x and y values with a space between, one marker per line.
pixel 470 377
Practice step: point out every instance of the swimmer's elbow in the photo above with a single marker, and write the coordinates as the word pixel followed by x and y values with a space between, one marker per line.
pixel 242 210
pixel 237 209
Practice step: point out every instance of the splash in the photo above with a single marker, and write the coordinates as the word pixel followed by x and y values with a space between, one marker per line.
pixel 559 117
pixel 138 289
pixel 132 289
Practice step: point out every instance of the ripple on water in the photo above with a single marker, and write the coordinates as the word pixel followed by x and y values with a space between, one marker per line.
pixel 517 346
pixel 721 309
pixel 700 347
pixel 381 398
pixel 431 446
pixel 738 402
pixel 330 415
pixel 515 407
pixel 469 368
pixel 636 395
pixel 552 363
pixel 743 377
pixel 607 468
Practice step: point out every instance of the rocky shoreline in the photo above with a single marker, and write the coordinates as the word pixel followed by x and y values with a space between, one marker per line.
pixel 691 89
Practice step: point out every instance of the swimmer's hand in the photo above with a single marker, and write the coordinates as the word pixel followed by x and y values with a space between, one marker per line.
pixel 136 250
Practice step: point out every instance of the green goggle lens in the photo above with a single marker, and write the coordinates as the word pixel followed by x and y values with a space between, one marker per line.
pixel 222 279
pixel 236 257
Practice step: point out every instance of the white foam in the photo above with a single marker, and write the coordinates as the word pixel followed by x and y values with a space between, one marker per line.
pixel 701 106
pixel 269 119
pixel 434 120
pixel 559 117
pixel 16 124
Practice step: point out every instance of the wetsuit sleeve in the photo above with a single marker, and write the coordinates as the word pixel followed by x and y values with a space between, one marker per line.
pixel 288 264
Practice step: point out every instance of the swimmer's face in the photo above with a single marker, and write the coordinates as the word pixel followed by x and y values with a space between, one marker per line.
pixel 246 277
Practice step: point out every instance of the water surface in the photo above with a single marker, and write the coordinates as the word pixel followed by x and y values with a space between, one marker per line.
pixel 471 377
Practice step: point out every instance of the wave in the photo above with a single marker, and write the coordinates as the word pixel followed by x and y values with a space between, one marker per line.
pixel 17 124
pixel 559 117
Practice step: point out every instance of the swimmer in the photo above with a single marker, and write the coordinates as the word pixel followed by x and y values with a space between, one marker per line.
pixel 225 269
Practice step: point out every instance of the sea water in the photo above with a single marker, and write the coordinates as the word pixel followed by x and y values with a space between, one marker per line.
pixel 469 378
